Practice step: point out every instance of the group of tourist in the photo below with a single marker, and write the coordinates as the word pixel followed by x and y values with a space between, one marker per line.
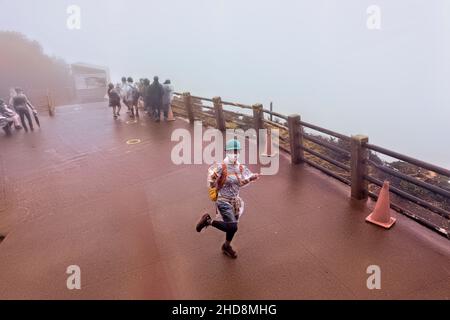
pixel 154 98
pixel 17 112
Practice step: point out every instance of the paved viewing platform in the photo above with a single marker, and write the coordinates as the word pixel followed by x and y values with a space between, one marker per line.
pixel 75 193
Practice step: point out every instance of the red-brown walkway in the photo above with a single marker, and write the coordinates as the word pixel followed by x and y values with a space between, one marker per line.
pixel 76 194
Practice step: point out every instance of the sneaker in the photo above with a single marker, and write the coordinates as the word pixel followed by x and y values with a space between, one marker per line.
pixel 228 251
pixel 203 223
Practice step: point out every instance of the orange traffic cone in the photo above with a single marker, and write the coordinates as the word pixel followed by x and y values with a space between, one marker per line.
pixel 381 215
pixel 170 115
pixel 268 149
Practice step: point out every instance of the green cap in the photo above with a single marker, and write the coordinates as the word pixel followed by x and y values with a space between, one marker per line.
pixel 233 145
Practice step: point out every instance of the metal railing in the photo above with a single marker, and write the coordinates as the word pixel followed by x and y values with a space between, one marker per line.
pixel 358 166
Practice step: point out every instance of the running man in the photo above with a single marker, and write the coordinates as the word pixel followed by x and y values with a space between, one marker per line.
pixel 224 182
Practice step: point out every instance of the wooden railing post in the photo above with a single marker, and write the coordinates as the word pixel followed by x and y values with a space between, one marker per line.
pixel 359 158
pixel 296 139
pixel 258 121
pixel 51 107
pixel 218 110
pixel 187 99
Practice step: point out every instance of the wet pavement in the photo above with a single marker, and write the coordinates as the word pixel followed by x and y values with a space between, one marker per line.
pixel 75 193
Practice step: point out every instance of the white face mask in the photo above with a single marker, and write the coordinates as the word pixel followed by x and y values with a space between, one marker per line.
pixel 232 157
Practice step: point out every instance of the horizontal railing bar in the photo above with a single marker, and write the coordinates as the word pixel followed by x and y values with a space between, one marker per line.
pixel 324 157
pixel 422 203
pixel 276 124
pixel 412 180
pixel 413 216
pixel 243 106
pixel 202 98
pixel 202 106
pixel 327 171
pixel 276 114
pixel 411 160
pixel 326 144
pixel 326 131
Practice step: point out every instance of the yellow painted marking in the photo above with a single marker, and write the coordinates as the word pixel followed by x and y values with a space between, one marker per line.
pixel 133 141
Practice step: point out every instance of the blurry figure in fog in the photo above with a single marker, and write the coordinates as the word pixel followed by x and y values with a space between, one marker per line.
pixel 6 121
pixel 141 88
pixel 132 97
pixel 123 93
pixel 146 96
pixel 114 100
pixel 156 92
pixel 10 114
pixel 167 98
pixel 22 106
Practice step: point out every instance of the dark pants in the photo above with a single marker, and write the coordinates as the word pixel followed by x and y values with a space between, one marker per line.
pixel 156 108
pixel 229 225
pixel 25 113
pixel 166 111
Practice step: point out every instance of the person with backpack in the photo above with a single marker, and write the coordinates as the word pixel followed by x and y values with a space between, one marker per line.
pixel 132 98
pixel 224 182
pixel 114 100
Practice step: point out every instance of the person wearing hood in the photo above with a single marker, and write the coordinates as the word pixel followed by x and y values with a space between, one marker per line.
pixel 224 182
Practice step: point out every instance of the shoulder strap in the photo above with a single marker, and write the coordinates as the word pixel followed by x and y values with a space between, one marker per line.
pixel 223 177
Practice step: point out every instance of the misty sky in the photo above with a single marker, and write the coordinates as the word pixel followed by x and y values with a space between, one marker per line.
pixel 316 58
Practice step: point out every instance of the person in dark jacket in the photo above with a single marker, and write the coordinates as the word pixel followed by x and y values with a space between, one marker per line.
pixel 114 100
pixel 156 93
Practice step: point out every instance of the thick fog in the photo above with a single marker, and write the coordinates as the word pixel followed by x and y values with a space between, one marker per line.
pixel 317 58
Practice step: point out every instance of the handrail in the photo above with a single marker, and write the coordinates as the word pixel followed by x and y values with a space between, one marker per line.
pixel 243 106
pixel 327 171
pixel 326 145
pixel 326 158
pixel 326 131
pixel 358 154
pixel 412 180
pixel 276 114
pixel 408 159
pixel 412 198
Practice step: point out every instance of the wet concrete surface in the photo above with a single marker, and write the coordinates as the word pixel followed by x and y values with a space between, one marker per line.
pixel 75 193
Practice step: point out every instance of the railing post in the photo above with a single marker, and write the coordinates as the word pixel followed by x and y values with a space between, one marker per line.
pixel 359 158
pixel 187 99
pixel 296 139
pixel 51 107
pixel 218 110
pixel 258 121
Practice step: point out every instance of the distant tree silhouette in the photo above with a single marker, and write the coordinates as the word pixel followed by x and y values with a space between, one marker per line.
pixel 23 63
